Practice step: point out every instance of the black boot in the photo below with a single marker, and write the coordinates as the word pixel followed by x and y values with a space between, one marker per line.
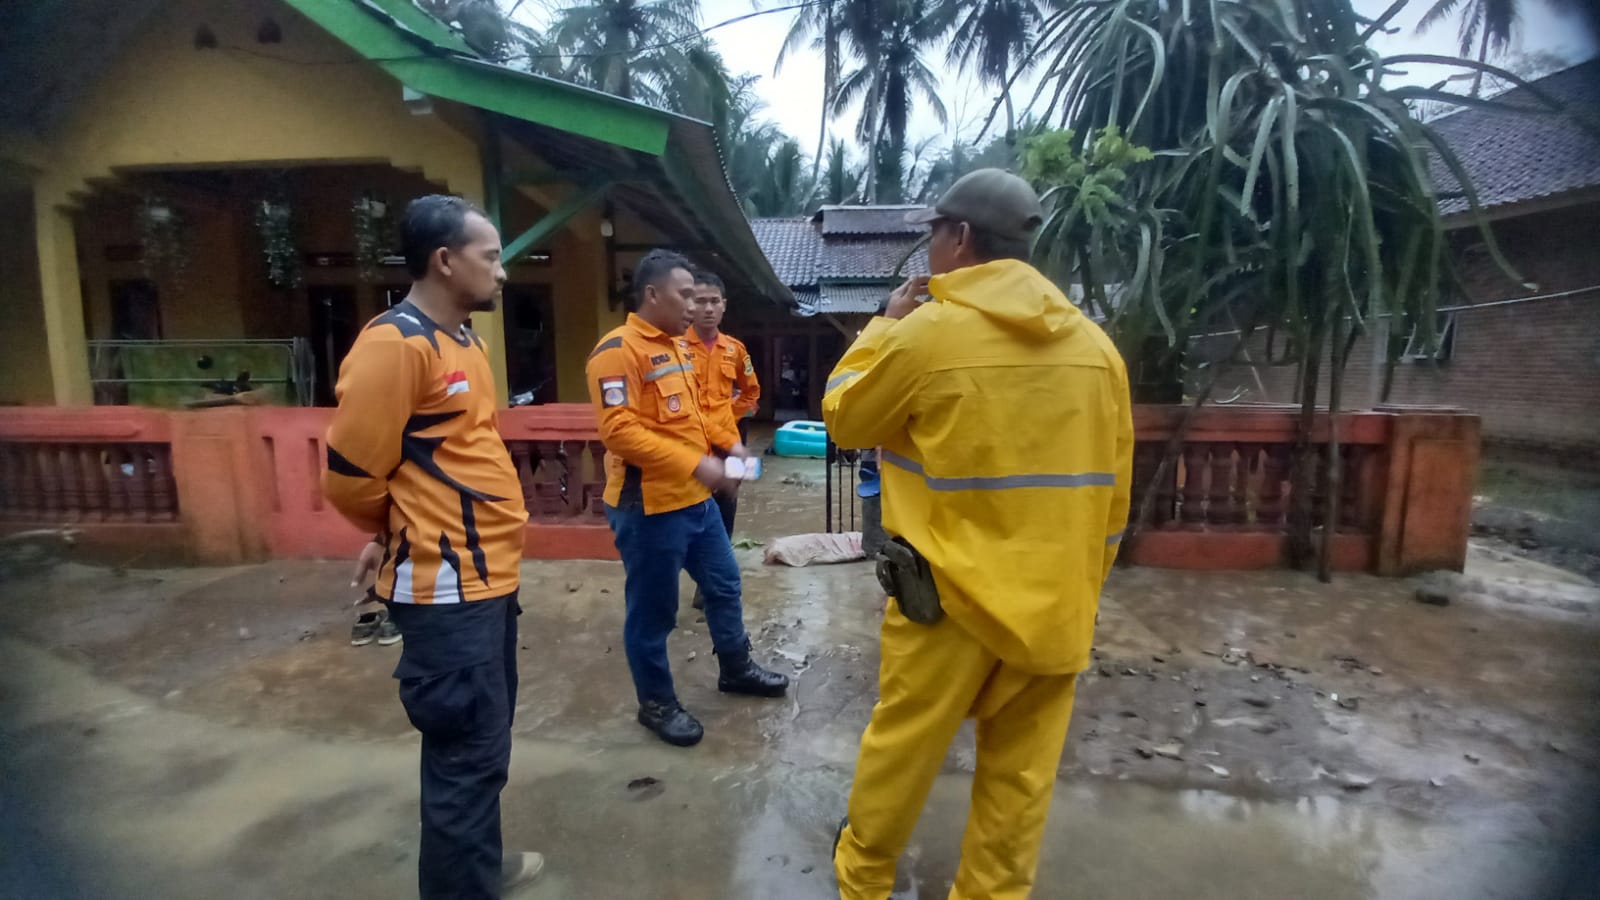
pixel 671 722
pixel 741 675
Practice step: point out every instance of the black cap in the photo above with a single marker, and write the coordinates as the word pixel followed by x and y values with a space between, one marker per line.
pixel 990 200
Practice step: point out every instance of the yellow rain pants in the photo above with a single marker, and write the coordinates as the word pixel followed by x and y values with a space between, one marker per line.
pixel 930 679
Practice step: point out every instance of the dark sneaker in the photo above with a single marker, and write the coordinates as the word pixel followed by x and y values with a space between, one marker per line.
pixel 388 632
pixel 699 601
pixel 517 869
pixel 365 629
pixel 741 675
pixel 672 723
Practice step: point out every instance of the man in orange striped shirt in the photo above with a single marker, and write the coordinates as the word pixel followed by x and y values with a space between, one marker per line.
pixel 414 456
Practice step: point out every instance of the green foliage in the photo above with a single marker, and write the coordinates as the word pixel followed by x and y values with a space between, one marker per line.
pixel 276 226
pixel 165 233
pixel 375 236
pixel 1092 234
pixel 1289 181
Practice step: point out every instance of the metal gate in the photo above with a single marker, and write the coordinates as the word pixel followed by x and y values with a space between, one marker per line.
pixel 843 508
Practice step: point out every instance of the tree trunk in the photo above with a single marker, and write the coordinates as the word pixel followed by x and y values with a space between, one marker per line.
pixel 1169 455
pixel 830 79
pixel 1483 56
pixel 1305 456
pixel 1333 472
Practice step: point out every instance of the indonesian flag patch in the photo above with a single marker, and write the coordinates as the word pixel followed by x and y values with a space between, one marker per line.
pixel 613 392
pixel 455 383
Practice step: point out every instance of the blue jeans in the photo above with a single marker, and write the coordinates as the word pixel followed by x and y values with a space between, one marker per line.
pixel 654 550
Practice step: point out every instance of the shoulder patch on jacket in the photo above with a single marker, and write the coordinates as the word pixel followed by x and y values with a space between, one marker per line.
pixel 608 344
pixel 613 390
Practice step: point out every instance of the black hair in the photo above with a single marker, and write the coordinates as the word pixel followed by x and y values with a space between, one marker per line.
pixel 431 222
pixel 710 279
pixel 656 265
pixel 988 246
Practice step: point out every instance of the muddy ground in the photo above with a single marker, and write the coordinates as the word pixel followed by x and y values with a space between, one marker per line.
pixel 192 733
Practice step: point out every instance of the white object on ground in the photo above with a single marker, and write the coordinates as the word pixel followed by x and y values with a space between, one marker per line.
pixel 819 549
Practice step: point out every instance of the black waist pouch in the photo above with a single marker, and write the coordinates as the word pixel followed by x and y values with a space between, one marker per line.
pixel 906 576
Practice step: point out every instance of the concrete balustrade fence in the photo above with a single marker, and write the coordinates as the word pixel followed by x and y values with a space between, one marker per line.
pixel 243 484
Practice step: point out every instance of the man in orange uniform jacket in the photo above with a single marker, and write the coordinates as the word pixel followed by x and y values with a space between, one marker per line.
pixel 664 457
pixel 729 391
pixel 414 456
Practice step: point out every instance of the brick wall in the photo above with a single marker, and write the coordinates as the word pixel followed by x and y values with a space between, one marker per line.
pixel 1531 369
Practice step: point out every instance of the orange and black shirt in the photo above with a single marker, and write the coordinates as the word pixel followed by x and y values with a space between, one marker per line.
pixel 726 376
pixel 414 453
pixel 654 424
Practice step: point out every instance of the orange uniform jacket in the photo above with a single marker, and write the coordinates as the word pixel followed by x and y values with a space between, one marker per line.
pixel 414 452
pixel 655 427
pixel 726 377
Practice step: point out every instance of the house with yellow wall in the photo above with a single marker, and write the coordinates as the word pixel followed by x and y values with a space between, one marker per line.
pixel 219 180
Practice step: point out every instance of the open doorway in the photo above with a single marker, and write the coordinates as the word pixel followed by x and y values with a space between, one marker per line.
pixel 333 330
pixel 791 398
pixel 530 343
pixel 135 310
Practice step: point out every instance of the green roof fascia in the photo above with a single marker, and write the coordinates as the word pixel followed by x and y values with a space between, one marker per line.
pixel 473 82
pixel 543 101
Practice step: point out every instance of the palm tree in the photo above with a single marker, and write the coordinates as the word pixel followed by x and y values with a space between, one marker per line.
pixel 1488 24
pixel 842 181
pixel 822 25
pixel 1289 186
pixel 622 46
pixel 993 37
pixel 888 39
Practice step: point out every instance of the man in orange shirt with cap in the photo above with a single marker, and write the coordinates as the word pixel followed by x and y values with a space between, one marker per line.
pixel 664 457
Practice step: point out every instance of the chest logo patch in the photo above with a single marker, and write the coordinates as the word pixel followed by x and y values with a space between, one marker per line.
pixel 659 359
pixel 674 404
pixel 455 383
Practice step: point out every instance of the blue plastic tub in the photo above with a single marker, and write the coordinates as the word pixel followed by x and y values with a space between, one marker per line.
pixel 801 438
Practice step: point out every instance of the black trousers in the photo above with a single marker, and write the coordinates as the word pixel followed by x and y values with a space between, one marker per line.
pixel 458 684
pixel 728 506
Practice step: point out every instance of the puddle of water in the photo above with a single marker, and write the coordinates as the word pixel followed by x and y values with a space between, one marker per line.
pixel 1133 842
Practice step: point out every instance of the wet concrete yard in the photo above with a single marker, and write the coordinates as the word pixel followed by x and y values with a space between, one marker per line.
pixel 190 733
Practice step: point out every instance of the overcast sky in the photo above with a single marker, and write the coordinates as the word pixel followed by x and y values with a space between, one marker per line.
pixel 794 96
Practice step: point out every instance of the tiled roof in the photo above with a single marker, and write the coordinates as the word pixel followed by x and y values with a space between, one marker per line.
pixel 791 245
pixel 808 299
pixel 805 256
pixel 870 257
pixel 1514 157
pixel 854 298
pixel 868 220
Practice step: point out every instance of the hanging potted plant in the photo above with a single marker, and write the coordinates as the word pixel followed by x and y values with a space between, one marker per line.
pixel 275 222
pixel 163 240
pixel 373 233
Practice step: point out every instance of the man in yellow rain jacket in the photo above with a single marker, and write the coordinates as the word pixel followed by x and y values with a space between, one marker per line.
pixel 1007 439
